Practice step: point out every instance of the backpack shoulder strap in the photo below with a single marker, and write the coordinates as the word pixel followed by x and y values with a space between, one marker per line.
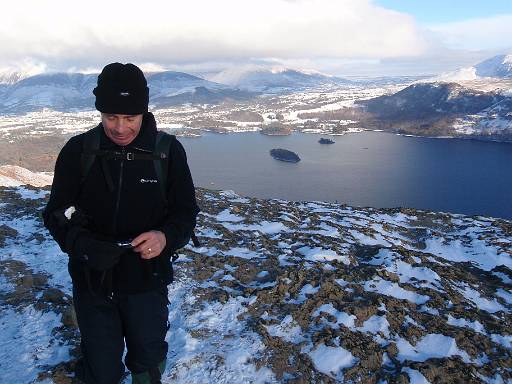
pixel 90 146
pixel 161 162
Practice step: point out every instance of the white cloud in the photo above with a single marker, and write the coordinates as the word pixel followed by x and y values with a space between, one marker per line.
pixel 24 67
pixel 490 33
pixel 179 32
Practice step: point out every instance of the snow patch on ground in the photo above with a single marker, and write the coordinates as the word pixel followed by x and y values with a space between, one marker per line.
pixel 430 346
pixel 288 330
pixel 225 339
pixel 320 254
pixel 332 360
pixel 415 376
pixel 478 252
pixel 27 344
pixel 389 288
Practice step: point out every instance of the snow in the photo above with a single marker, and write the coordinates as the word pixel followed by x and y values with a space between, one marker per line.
pixel 367 240
pixel 262 274
pixel 320 254
pixel 468 73
pixel 430 346
pixel 27 344
pixel 491 306
pixel 331 360
pixel 376 324
pixel 406 272
pixel 31 194
pixel 208 232
pixel 243 253
pixel 307 289
pixel 461 322
pixel 197 361
pixel 503 340
pixel 505 295
pixel 478 252
pixel 503 277
pixel 226 215
pixel 209 251
pixel 283 261
pixel 342 318
pixel 496 379
pixel 13 176
pixel 213 341
pixel 287 330
pixel 389 288
pixel 497 66
pixel 415 376
pixel 9 182
pixel 45 257
pixel 266 227
pixel 326 230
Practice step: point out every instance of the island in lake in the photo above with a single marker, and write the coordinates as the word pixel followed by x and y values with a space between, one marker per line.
pixel 325 141
pixel 284 155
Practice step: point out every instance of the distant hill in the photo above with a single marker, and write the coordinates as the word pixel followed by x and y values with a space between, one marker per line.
pixel 276 80
pixel 439 109
pixel 499 66
pixel 59 91
pixel 428 100
pixel 10 77
pixel 170 83
pixel 202 95
pixel 73 91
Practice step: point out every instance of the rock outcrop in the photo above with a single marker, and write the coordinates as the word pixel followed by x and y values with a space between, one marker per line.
pixel 287 292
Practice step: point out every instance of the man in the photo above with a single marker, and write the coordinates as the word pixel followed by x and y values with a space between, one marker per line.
pixel 120 227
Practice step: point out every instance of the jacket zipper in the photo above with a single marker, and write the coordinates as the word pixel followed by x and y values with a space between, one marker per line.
pixel 120 184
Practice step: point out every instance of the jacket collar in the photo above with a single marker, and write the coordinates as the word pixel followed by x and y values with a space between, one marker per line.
pixel 145 140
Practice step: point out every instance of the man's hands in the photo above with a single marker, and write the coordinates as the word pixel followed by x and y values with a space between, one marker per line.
pixel 103 255
pixel 149 244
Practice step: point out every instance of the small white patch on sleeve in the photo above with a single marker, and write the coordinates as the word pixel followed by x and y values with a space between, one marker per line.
pixel 69 212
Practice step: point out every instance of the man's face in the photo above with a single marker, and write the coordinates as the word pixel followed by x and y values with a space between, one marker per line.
pixel 121 129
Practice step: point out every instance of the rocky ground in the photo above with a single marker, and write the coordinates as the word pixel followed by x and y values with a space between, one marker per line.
pixel 287 292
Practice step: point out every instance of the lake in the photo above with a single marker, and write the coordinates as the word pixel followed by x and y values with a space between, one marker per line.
pixel 362 169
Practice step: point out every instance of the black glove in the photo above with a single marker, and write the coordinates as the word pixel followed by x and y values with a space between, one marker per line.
pixel 97 254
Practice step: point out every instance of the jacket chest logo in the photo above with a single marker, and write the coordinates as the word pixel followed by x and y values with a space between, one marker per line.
pixel 144 181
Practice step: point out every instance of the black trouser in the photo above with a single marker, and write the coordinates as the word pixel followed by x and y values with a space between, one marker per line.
pixel 105 323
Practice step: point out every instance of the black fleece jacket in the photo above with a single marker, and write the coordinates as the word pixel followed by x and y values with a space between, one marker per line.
pixel 134 205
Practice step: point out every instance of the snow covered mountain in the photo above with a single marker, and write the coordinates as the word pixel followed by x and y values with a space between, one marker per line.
pixel 170 83
pixel 11 77
pixel 59 91
pixel 427 100
pixel 276 80
pixel 73 91
pixel 443 110
pixel 286 292
pixel 499 66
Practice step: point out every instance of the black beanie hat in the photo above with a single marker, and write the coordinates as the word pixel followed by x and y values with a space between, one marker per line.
pixel 122 89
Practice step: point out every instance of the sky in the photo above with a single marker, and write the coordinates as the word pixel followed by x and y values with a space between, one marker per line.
pixel 446 11
pixel 339 37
